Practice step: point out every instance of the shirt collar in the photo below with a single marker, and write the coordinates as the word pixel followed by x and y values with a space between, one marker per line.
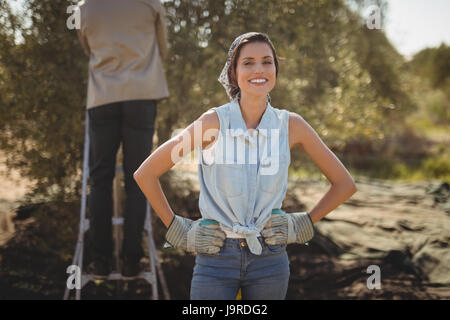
pixel 239 127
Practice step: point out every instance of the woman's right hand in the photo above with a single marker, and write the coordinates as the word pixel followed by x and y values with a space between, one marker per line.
pixel 200 236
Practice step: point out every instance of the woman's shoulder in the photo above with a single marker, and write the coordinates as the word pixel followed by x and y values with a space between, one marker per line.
pixel 283 112
pixel 297 126
pixel 215 115
pixel 213 119
pixel 210 119
pixel 295 118
pixel 223 109
pixel 300 130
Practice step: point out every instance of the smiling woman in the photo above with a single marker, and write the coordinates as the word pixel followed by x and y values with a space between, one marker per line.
pixel 241 239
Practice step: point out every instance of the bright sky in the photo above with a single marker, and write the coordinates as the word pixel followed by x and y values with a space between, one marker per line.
pixel 411 25
pixel 415 24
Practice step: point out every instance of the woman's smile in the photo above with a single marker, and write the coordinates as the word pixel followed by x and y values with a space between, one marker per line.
pixel 258 81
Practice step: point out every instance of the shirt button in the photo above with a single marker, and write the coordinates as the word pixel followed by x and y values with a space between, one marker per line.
pixel 265 162
pixel 242 243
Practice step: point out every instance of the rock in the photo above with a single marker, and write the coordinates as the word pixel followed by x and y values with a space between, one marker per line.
pixel 441 195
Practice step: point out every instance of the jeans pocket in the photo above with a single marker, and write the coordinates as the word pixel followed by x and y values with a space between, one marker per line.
pixel 276 248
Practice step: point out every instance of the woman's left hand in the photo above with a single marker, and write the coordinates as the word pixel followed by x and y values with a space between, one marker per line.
pixel 284 228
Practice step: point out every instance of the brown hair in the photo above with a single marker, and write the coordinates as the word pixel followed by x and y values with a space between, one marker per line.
pixel 252 37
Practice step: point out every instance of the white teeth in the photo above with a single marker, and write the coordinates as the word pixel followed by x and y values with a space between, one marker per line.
pixel 258 80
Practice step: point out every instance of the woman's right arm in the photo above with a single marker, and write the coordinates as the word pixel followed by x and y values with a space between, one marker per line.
pixel 167 155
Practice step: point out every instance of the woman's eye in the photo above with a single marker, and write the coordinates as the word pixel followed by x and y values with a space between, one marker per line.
pixel 249 63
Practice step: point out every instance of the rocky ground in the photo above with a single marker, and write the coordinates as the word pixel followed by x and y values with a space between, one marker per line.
pixel 398 227
pixel 403 228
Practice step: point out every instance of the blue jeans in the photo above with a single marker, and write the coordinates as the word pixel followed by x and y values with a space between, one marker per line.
pixel 261 277
pixel 132 123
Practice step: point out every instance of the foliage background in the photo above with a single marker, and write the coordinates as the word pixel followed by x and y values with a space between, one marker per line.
pixel 346 80
pixel 382 115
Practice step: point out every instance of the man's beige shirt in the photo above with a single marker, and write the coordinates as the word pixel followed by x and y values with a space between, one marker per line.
pixel 126 41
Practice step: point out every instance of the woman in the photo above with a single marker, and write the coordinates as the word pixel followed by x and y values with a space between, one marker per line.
pixel 244 151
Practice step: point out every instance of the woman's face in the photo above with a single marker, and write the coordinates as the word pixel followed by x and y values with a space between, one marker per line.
pixel 255 69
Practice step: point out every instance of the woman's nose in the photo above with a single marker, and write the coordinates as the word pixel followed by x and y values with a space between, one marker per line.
pixel 258 69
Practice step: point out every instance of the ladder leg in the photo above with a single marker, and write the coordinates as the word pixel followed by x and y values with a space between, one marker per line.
pixel 84 198
pixel 160 272
pixel 155 265
pixel 80 260
pixel 75 257
pixel 78 256
pixel 153 254
pixel 117 215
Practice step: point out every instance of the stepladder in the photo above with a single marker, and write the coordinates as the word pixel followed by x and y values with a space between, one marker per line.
pixel 151 274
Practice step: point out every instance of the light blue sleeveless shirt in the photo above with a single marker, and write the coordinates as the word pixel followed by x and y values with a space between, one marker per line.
pixel 242 176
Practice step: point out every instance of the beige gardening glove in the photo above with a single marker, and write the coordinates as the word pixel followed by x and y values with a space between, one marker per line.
pixel 200 236
pixel 284 228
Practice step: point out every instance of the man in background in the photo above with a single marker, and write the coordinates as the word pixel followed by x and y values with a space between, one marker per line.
pixel 126 41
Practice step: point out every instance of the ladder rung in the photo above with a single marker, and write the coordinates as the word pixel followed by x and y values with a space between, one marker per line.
pixel 149 276
pixel 115 221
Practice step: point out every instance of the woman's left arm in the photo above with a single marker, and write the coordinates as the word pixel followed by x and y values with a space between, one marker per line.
pixel 342 185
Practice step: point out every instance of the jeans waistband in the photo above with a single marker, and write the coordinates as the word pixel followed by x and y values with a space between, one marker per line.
pixel 235 235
